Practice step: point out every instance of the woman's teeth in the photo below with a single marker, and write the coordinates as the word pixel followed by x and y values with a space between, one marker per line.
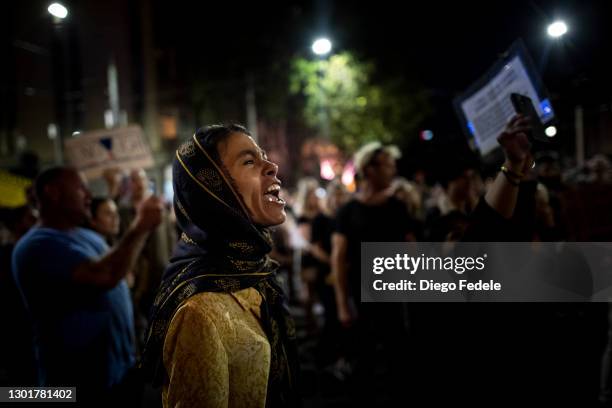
pixel 273 189
pixel 273 199
pixel 272 194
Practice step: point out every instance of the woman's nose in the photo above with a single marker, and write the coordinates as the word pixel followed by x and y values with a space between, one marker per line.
pixel 271 168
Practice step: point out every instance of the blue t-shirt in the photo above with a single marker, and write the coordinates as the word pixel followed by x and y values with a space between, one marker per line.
pixel 84 335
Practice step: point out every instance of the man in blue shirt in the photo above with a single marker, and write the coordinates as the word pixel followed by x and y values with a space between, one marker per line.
pixel 74 288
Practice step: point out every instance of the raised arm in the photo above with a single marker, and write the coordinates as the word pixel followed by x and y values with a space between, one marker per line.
pixel 106 272
pixel 502 195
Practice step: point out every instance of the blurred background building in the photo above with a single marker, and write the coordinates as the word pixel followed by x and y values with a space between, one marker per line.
pixel 170 67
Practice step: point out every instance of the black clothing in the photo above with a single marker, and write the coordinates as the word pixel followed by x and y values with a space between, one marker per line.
pixel 388 222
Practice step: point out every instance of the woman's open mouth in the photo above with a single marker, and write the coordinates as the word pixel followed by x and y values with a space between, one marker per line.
pixel 272 194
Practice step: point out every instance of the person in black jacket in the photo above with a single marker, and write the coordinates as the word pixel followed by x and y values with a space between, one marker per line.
pixel 375 216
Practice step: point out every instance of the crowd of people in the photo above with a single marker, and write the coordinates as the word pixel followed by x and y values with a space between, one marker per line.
pixel 109 293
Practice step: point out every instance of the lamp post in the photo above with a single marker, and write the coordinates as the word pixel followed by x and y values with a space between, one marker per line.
pixel 556 30
pixel 321 47
pixel 60 65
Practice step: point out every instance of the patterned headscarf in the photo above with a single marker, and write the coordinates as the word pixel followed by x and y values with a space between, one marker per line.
pixel 220 250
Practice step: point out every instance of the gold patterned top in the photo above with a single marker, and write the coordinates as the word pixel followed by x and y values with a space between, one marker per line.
pixel 216 353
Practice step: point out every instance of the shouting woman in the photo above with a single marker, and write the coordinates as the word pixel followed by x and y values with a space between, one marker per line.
pixel 220 333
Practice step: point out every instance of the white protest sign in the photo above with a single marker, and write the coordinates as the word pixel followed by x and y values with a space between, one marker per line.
pixel 93 152
pixel 490 108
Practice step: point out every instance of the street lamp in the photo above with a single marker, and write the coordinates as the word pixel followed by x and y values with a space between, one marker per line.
pixel 321 46
pixel 61 65
pixel 550 131
pixel 57 10
pixel 557 29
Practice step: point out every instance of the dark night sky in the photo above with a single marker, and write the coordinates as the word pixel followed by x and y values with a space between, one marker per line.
pixel 445 44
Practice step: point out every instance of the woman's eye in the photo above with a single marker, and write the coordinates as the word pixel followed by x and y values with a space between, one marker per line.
pixel 249 162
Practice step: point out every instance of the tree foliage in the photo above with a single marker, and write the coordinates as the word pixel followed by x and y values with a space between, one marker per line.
pixel 344 104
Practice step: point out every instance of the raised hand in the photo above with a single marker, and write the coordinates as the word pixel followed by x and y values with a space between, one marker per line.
pixel 515 143
pixel 149 214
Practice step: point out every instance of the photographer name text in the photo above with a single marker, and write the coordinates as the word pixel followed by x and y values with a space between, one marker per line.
pixel 412 265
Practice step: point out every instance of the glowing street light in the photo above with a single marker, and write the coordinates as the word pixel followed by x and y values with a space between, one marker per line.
pixel 550 131
pixel 58 11
pixel 321 46
pixel 557 29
